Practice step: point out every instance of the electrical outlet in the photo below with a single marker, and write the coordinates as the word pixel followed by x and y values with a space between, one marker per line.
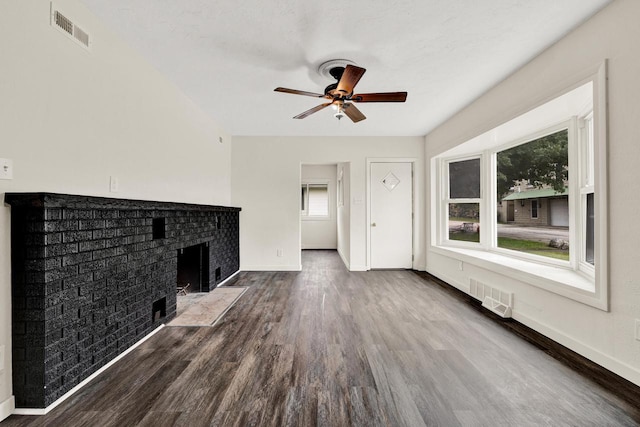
pixel 114 184
pixel 279 252
pixel 1 358
pixel 638 329
pixel 6 169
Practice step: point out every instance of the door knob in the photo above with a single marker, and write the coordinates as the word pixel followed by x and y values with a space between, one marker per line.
pixel 373 224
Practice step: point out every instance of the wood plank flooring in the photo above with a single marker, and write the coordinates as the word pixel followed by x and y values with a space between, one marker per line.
pixel 332 348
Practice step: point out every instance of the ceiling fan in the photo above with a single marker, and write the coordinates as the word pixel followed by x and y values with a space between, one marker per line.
pixel 341 94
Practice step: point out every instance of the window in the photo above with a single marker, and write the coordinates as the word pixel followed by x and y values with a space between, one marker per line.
pixel 315 200
pixel 587 189
pixel 534 174
pixel 527 199
pixel 463 202
pixel 534 209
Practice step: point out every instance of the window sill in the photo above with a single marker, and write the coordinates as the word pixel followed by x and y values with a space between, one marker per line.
pixel 315 218
pixel 559 280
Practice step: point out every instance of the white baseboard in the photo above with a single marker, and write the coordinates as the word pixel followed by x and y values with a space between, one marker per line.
pixel 7 407
pixel 227 279
pixel 44 411
pixel 451 281
pixel 271 268
pixel 358 268
pixel 616 366
pixel 344 260
pixel 420 267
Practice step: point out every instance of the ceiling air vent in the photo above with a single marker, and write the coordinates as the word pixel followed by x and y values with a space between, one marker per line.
pixel 68 27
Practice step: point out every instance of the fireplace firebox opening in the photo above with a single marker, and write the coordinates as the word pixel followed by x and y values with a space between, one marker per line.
pixel 193 268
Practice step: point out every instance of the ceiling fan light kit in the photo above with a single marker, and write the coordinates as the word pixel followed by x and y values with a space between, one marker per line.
pixel 347 75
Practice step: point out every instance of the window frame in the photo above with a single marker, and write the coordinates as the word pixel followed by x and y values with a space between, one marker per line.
pixel 492 226
pixel 586 183
pixel 536 208
pixel 304 213
pixel 448 201
pixel 577 279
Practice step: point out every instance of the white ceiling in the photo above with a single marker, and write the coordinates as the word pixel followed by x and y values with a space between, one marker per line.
pixel 228 56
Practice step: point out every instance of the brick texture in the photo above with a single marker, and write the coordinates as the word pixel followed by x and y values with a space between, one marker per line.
pixel 85 273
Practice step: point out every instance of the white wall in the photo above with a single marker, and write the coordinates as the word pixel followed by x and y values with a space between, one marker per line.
pixel 344 214
pixel 265 179
pixel 605 337
pixel 69 119
pixel 321 233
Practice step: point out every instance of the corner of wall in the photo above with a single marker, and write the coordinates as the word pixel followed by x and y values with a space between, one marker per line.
pixel 344 260
pixel 7 407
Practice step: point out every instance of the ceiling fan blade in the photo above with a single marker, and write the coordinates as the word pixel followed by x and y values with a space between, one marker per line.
pixel 299 92
pixel 312 110
pixel 350 78
pixel 380 97
pixel 352 112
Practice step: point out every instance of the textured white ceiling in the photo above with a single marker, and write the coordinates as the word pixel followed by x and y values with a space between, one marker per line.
pixel 228 56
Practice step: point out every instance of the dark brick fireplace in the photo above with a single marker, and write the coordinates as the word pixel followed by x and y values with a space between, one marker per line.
pixel 92 276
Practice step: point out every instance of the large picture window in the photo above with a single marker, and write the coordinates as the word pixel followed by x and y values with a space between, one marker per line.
pixel 532 194
pixel 529 196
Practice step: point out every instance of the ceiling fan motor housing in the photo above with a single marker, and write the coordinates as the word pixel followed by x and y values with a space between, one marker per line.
pixel 331 87
pixel 336 72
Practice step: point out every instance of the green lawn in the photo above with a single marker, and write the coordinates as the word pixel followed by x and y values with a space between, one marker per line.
pixel 465 237
pixel 527 246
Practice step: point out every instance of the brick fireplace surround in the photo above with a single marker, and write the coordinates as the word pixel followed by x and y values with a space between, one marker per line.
pixel 92 276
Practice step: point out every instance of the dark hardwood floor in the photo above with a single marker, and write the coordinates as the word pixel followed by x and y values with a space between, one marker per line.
pixel 328 347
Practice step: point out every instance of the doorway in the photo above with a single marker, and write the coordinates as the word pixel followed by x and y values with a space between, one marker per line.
pixel 318 197
pixel 390 215
pixel 511 208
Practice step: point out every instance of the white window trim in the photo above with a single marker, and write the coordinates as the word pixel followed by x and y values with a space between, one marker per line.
pixel 578 281
pixel 447 200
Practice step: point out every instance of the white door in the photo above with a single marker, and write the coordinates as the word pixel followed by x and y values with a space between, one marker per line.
pixel 559 212
pixel 391 215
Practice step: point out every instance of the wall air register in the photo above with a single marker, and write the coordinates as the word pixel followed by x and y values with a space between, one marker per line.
pixel 65 25
pixel 494 299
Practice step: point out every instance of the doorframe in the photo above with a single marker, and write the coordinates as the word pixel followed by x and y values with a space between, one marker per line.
pixel 413 161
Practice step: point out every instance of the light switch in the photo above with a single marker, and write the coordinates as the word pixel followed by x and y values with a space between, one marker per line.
pixel 113 184
pixel 6 169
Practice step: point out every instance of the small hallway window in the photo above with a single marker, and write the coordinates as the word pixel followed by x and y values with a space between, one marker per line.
pixel 315 200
